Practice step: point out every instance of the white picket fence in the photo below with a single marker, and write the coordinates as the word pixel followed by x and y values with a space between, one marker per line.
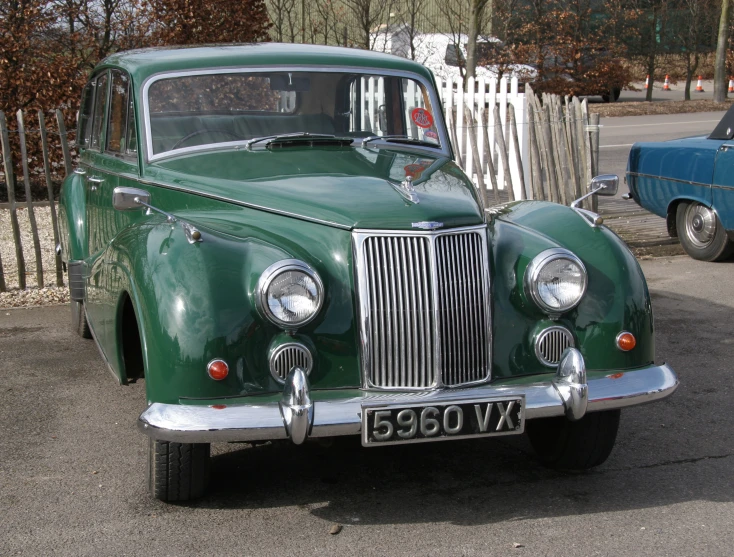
pixel 481 96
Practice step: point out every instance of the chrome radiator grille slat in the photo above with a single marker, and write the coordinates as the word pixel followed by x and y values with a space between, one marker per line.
pixel 401 351
pixel 424 304
pixel 464 338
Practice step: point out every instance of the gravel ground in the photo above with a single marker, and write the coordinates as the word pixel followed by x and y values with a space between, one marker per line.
pixel 33 296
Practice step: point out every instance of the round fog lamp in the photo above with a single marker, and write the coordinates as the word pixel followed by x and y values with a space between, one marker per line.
pixel 290 293
pixel 556 280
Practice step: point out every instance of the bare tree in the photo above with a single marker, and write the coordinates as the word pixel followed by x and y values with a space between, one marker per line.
pixel 369 15
pixel 720 89
pixel 283 16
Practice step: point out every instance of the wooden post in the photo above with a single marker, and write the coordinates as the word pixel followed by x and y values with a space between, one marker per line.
pixel 518 157
pixel 556 147
pixel 64 141
pixel 503 155
pixel 488 162
pixel 547 152
pixel 29 199
pixel 10 183
pixel 452 130
pixel 536 175
pixel 50 187
pixel 572 147
pixel 586 146
pixel 475 155
pixel 594 119
pixel 580 146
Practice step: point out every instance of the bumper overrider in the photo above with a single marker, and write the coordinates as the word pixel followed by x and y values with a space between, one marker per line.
pixel 297 417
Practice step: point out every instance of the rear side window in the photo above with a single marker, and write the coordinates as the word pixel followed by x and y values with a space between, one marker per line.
pixel 85 114
pixel 117 126
pixel 100 106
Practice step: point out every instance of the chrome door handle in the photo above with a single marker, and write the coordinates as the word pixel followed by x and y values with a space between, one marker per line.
pixel 95 181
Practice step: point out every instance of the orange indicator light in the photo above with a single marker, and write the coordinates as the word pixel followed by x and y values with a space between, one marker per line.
pixel 217 369
pixel 626 341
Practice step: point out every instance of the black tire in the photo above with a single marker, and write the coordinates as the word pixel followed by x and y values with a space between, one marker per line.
pixel 79 320
pixel 177 471
pixel 701 233
pixel 566 445
pixel 612 96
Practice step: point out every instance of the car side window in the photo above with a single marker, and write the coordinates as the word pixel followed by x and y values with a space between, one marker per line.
pixel 118 119
pixel 100 105
pixel 86 113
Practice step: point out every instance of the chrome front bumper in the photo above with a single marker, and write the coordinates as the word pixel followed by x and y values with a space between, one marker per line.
pixel 297 417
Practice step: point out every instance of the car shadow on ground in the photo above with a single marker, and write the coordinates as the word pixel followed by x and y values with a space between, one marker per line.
pixel 673 451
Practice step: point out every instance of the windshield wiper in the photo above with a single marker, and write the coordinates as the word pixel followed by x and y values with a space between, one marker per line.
pixel 399 139
pixel 270 138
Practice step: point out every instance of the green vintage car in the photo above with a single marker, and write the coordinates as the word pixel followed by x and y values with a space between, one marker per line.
pixel 276 238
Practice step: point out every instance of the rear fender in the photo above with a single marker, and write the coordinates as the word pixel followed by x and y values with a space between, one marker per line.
pixel 73 218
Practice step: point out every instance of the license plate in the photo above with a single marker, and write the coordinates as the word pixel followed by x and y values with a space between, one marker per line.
pixel 420 423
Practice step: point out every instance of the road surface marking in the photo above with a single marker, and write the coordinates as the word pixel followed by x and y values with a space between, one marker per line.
pixel 661 124
pixel 620 145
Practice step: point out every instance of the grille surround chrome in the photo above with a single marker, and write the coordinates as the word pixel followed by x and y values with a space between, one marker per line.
pixel 550 344
pixel 293 352
pixel 476 290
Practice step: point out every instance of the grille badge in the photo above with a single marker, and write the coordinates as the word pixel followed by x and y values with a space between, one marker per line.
pixel 428 225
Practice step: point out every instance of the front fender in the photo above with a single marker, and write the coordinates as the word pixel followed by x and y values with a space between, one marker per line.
pixel 195 303
pixel 616 300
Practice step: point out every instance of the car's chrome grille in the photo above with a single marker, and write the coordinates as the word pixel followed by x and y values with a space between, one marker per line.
pixel 424 308
pixel 550 344
pixel 462 307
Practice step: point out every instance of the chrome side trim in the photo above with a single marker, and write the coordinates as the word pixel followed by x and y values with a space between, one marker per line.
pixel 640 175
pixel 257 421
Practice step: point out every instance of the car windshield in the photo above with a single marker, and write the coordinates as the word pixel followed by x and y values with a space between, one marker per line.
pixel 202 110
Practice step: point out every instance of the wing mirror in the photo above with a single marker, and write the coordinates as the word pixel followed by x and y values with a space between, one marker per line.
pixel 126 199
pixel 606 184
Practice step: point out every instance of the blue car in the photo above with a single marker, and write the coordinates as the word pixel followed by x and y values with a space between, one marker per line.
pixel 690 182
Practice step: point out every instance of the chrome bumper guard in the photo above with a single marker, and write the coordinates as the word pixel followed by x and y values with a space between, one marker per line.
pixel 297 417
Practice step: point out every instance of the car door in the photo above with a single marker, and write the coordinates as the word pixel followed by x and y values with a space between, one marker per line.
pixel 92 165
pixel 723 185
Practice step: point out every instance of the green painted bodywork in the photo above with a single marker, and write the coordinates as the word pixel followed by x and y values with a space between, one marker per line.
pixel 195 302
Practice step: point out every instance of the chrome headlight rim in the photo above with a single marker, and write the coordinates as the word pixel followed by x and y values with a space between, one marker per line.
pixel 533 271
pixel 270 274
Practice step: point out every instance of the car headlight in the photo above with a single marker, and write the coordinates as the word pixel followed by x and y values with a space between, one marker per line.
pixel 290 293
pixel 556 280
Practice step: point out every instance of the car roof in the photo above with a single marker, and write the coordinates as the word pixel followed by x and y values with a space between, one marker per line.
pixel 143 63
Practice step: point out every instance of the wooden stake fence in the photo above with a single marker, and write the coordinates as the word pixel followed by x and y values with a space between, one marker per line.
pixel 7 154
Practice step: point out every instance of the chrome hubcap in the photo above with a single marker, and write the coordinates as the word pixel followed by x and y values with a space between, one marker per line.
pixel 700 225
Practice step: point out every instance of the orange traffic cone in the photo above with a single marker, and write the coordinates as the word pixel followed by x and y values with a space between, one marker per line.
pixel 666 85
pixel 647 81
pixel 699 85
pixel 731 84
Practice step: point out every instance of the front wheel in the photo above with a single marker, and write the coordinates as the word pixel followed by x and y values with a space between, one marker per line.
pixel 177 471
pixel 701 233
pixel 579 445
pixel 612 96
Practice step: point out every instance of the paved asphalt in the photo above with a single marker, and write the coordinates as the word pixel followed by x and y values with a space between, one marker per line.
pixel 72 464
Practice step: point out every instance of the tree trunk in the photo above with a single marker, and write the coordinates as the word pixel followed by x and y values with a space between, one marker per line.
pixel 651 73
pixel 720 88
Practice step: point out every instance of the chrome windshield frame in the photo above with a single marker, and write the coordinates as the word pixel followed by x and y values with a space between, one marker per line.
pixel 438 117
